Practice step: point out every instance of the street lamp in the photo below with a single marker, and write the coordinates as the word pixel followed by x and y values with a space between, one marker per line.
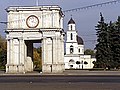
pixel 82 64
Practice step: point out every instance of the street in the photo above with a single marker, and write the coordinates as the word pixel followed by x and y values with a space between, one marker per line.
pixel 59 82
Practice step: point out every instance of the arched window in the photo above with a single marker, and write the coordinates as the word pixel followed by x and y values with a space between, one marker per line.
pixel 79 50
pixel 85 62
pixel 71 27
pixel 71 49
pixel 72 61
pixel 77 62
pixel 71 36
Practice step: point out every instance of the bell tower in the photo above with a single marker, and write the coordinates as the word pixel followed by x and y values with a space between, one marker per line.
pixel 74 43
pixel 71 37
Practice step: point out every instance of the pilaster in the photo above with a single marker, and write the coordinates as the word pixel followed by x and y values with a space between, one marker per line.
pixel 46 55
pixel 11 51
pixel 15 56
pixel 21 51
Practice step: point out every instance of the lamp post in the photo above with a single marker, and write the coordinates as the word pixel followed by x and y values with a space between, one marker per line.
pixel 82 64
pixel 37 2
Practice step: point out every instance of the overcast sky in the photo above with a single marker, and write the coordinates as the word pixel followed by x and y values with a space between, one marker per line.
pixel 86 20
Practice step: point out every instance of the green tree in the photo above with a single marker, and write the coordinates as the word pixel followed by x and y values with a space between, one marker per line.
pixel 37 58
pixel 116 44
pixel 102 47
pixel 108 47
pixel 89 52
pixel 111 31
pixel 3 52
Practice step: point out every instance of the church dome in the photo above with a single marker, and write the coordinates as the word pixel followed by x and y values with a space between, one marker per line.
pixel 71 21
pixel 80 40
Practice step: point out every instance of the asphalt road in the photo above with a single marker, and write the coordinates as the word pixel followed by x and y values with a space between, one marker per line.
pixel 59 82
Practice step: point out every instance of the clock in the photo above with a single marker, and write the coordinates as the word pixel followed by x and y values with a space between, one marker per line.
pixel 32 21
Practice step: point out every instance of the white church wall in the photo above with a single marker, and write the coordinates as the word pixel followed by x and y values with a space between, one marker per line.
pixel 75 52
pixel 82 59
pixel 81 47
pixel 92 60
pixel 69 63
pixel 89 60
pixel 69 36
pixel 75 48
pixel 71 25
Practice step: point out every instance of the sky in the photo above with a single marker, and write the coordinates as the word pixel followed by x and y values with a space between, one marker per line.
pixel 86 20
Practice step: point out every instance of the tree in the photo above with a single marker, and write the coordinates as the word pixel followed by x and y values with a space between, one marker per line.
pixel 111 31
pixel 37 58
pixel 3 52
pixel 108 47
pixel 116 44
pixel 89 52
pixel 102 47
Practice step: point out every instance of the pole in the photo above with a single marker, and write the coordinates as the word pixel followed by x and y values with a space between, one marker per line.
pixel 37 2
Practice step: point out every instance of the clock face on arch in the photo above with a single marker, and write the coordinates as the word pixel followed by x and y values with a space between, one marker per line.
pixel 32 21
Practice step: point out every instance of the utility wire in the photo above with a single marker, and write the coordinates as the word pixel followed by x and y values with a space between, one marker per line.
pixel 92 6
pixel 77 9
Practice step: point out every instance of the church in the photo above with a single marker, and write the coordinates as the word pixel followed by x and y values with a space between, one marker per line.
pixel 74 57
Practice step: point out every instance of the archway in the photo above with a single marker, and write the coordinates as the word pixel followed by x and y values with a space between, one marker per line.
pixel 37 57
pixel 27 25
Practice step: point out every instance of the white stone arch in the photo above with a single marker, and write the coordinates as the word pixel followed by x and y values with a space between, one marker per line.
pixel 20 38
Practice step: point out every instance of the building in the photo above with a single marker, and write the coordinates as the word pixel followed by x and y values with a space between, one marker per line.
pixel 42 24
pixel 74 57
pixel 37 24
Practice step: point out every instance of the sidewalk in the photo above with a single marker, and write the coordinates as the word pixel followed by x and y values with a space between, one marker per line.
pixel 69 72
pixel 85 72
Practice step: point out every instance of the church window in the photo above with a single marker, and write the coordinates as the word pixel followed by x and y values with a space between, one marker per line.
pixel 71 49
pixel 93 62
pixel 71 66
pixel 78 62
pixel 71 35
pixel 71 27
pixel 85 62
pixel 72 61
pixel 79 50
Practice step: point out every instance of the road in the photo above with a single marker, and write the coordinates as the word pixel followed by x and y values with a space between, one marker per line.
pixel 59 82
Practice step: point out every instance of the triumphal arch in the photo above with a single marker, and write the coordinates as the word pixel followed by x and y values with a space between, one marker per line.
pixel 27 25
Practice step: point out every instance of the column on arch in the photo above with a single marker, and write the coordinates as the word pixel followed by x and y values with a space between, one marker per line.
pixel 8 51
pixel 58 56
pixel 54 49
pixel 62 52
pixel 11 52
pixel 16 51
pixel 12 55
pixel 10 58
pixel 8 55
pixel 58 51
pixel 21 55
pixel 46 55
